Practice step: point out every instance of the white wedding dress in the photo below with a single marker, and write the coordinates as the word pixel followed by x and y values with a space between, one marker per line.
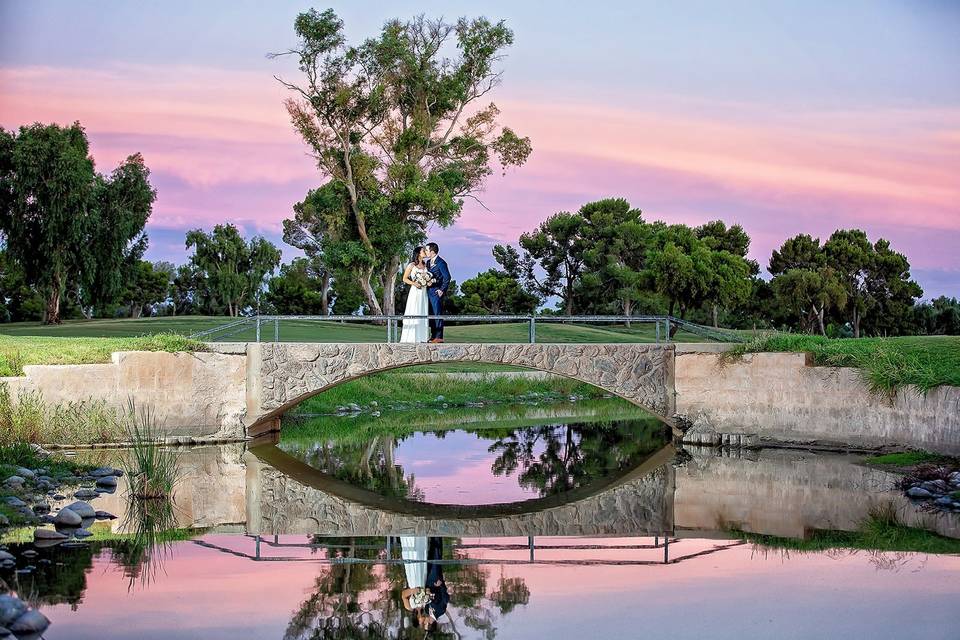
pixel 417 305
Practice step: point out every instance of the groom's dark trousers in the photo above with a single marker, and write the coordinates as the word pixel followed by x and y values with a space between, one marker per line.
pixel 441 276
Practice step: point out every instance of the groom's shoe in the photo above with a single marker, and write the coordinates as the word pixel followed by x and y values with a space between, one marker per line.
pixel 436 340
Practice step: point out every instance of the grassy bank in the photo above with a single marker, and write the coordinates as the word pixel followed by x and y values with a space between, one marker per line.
pixel 17 352
pixel 410 388
pixel 320 331
pixel 365 427
pixel 33 420
pixel 909 459
pixel 881 531
pixel 887 363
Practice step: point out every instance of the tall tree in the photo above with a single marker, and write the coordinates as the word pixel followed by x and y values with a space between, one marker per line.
pixel 615 243
pixel 679 267
pixel 145 286
pixel 850 253
pixel 808 294
pixel 891 290
pixel 310 230
pixel 553 258
pixel 299 289
pixel 46 180
pixel 234 269
pixel 729 246
pixel 115 243
pixel 398 125
pixel 496 292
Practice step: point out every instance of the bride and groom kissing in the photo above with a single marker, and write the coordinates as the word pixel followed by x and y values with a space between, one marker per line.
pixel 427 278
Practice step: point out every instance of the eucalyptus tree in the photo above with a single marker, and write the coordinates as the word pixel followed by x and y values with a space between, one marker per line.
pixel 397 123
pixel 234 269
pixel 733 271
pixel 65 223
pixel 805 284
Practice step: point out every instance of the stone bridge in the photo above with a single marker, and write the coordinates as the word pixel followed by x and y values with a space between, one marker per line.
pixel 287 496
pixel 281 375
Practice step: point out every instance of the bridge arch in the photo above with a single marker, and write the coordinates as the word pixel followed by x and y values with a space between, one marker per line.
pixel 282 375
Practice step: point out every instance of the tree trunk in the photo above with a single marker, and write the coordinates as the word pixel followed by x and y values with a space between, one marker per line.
pixel 715 325
pixel 87 312
pixel 856 323
pixel 363 277
pixel 136 310
pixel 53 304
pixel 389 290
pixel 325 294
pixel 823 329
pixel 627 310
pixel 673 327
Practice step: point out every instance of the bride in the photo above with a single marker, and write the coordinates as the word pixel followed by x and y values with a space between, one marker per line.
pixel 415 276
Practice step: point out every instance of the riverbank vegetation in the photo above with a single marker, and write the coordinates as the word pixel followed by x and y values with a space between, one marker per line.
pixel 15 460
pixel 401 389
pixel 880 531
pixel 909 459
pixel 31 419
pixel 887 364
pixel 17 352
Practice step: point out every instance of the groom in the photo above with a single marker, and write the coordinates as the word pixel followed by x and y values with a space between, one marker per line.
pixel 436 291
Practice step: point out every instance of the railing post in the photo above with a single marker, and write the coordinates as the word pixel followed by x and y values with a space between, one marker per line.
pixel 276 329
pixel 533 330
pixel 657 324
pixel 258 328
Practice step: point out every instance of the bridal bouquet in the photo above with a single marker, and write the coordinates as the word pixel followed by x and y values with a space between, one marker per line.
pixel 423 278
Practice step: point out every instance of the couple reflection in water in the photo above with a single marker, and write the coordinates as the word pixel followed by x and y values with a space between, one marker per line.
pixel 426 595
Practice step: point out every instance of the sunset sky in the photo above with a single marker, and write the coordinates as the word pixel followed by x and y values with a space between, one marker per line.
pixel 785 117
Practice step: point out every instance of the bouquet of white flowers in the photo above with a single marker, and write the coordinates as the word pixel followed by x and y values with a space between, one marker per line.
pixel 422 278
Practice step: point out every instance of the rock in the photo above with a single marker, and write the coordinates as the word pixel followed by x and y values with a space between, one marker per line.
pixel 375 414
pixel 30 554
pixel 85 494
pixel 4 522
pixel 48 534
pixel 101 472
pixel 5 633
pixel 58 496
pixel 67 518
pixel 26 473
pixel 104 515
pixel 936 486
pixel 374 404
pixel 919 492
pixel 15 502
pixel 41 508
pixel 11 608
pixel 109 482
pixel 31 622
pixel 353 406
pixel 6 556
pixel 14 481
pixel 944 501
pixel 82 533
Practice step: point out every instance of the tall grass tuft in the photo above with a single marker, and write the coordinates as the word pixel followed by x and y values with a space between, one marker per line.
pixel 155 470
pixel 31 419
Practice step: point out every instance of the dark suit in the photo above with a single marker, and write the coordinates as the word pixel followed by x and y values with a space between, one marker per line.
pixel 441 275
pixel 441 596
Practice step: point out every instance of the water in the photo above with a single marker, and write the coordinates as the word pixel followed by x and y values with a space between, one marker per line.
pixel 629 537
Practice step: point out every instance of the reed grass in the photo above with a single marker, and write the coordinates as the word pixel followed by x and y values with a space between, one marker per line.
pixel 155 469
pixel 31 419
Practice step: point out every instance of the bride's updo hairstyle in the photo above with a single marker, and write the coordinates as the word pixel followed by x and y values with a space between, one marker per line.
pixel 416 255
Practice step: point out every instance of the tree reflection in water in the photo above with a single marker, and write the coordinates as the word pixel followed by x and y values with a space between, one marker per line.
pixel 554 458
pixel 547 458
pixel 362 600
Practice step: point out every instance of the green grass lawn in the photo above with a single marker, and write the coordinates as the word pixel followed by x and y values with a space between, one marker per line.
pixel 19 351
pixel 321 331
pixel 887 363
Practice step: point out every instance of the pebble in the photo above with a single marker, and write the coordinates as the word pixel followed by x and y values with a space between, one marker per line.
pixel 67 518
pixel 29 553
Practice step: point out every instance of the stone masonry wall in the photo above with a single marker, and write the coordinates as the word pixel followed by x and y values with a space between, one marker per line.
pixel 778 396
pixel 191 394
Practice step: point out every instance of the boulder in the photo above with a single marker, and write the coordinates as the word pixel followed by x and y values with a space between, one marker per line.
pixel 15 502
pixel 6 556
pixel 85 494
pixel 14 481
pixel 48 534
pixel 105 515
pixel 11 608
pixel 30 623
pixel 919 492
pixel 67 518
pixel 26 473
pixel 107 481
pixel 83 509
pixel 102 472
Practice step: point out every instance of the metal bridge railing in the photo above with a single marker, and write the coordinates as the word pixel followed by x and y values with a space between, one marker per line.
pixel 262 326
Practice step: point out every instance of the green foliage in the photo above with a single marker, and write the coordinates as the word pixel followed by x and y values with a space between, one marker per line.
pixel 234 269
pixel 886 363
pixel 940 316
pixel 496 292
pixel 881 531
pixel 398 134
pixel 32 420
pixel 155 469
pixel 64 224
pixel 905 459
pixel 300 289
pixel 145 286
